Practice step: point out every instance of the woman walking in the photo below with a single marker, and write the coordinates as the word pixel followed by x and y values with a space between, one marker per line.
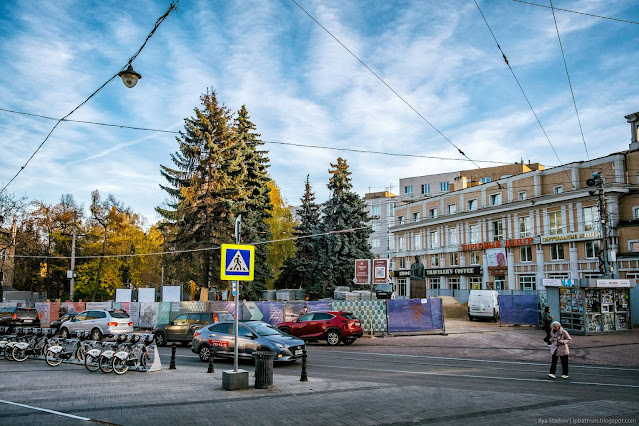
pixel 559 340
pixel 546 319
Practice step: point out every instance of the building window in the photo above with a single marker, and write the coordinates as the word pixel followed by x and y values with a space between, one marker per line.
pixel 495 199
pixel 432 213
pixel 408 190
pixel 592 249
pixel 391 209
pixel 556 252
pixel 556 223
pixel 454 259
pixel 635 212
pixel 416 216
pixel 434 283
pixel 633 246
pixel 452 209
pixel 376 211
pixel 402 263
pixel 434 239
pixel 524 227
pixel 400 220
pixel 374 243
pixel 498 230
pixel 426 188
pixel 475 258
pixel 434 261
pixel 557 189
pixel 401 243
pixel 475 283
pixel 591 217
pixel 527 282
pixel 390 243
pixel 472 204
pixel 485 179
pixel 401 287
pixel 521 195
pixel 453 283
pixel 474 234
pixel 376 226
pixel 526 253
pixel 444 186
pixel 453 237
pixel 417 242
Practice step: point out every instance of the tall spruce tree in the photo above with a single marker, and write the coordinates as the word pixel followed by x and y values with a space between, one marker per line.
pixel 207 185
pixel 257 206
pixel 303 268
pixel 345 215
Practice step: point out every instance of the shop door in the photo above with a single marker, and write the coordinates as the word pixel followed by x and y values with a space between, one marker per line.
pixel 500 282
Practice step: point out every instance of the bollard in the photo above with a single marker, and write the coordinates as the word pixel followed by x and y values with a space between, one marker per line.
pixel 173 349
pixel 304 378
pixel 211 367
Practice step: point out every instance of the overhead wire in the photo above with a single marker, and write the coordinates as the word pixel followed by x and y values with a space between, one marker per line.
pixel 387 85
pixel 172 7
pixel 572 93
pixel 518 83
pixel 577 12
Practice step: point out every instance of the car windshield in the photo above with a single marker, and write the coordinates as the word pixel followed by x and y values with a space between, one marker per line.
pixel 119 314
pixel 264 329
pixel 225 316
pixel 8 309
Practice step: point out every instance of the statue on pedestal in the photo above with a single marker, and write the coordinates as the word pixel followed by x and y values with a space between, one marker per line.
pixel 417 270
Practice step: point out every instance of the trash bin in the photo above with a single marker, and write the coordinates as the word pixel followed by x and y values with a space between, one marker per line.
pixel 263 369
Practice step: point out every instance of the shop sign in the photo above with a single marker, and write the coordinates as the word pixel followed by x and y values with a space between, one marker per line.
pixel 557 282
pixel 516 242
pixel 461 270
pixel 613 283
pixel 362 271
pixel 402 273
pixel 574 236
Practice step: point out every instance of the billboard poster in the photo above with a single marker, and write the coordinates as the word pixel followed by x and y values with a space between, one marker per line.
pixel 362 271
pixel 146 295
pixel 44 311
pixel 148 314
pixel 134 313
pixel 380 271
pixel 496 260
pixel 122 294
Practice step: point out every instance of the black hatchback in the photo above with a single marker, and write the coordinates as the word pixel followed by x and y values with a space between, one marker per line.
pixel 19 317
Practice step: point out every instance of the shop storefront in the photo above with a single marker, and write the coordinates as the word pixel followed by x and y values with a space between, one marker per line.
pixel 591 305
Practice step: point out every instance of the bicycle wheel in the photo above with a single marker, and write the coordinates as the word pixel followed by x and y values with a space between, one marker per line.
pixel 8 352
pixel 53 358
pixel 119 365
pixel 2 353
pixel 145 360
pixel 105 364
pixel 19 354
pixel 92 363
pixel 80 354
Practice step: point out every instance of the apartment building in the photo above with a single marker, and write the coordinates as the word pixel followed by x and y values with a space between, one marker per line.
pixel 515 231
pixel 381 209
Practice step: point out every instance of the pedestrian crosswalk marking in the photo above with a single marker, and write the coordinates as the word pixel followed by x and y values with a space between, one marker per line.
pixel 237 264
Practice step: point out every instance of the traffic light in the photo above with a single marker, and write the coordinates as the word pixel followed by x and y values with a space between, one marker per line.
pixel 595 180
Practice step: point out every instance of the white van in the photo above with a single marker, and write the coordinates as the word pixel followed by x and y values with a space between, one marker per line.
pixel 483 304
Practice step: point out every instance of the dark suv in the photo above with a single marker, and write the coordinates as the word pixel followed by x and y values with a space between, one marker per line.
pixel 332 326
pixel 19 317
pixel 181 328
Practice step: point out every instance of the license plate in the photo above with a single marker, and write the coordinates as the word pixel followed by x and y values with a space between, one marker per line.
pixel 298 352
pixel 357 324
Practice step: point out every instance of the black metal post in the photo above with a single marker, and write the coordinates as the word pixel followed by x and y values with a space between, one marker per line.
pixel 304 378
pixel 173 349
pixel 211 366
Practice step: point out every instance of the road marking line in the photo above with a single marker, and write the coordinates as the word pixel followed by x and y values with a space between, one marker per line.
pixel 474 360
pixel 86 419
pixel 424 373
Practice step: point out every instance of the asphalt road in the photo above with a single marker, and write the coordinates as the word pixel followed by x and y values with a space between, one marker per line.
pixel 347 386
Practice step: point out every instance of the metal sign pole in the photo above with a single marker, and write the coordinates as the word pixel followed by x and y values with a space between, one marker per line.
pixel 236 284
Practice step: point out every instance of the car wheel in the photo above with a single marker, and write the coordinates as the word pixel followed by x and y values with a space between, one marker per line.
pixel 96 334
pixel 349 340
pixel 160 340
pixel 470 317
pixel 205 353
pixel 333 338
pixel 64 333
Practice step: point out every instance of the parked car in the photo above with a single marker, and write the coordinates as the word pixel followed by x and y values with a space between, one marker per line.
pixel 383 291
pixel 483 304
pixel 332 326
pixel 66 317
pixel 13 316
pixel 182 327
pixel 252 336
pixel 98 323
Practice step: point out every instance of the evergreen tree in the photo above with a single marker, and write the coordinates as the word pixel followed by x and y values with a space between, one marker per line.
pixel 345 216
pixel 206 187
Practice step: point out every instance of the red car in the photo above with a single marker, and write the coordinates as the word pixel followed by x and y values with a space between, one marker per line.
pixel 332 326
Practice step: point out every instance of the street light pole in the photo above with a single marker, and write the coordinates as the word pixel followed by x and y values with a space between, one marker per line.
pixel 75 235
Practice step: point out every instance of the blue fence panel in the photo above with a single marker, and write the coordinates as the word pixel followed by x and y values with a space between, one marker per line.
pixel 406 315
pixel 272 312
pixel 518 309
pixel 320 305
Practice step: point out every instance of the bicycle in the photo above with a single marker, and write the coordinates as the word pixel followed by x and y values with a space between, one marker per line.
pixel 105 361
pixel 134 354
pixel 37 346
pixel 19 337
pixel 56 354
pixel 92 356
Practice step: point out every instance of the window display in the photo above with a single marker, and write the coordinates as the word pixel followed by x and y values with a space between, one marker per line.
pixel 606 309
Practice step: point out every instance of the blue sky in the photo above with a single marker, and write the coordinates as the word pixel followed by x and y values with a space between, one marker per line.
pixel 300 86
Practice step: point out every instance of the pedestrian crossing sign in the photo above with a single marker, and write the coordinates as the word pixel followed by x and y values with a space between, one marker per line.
pixel 238 262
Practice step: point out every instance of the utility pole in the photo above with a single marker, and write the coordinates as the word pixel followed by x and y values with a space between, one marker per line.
pixel 605 266
pixel 72 272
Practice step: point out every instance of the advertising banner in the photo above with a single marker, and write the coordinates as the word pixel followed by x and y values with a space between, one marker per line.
pixel 54 311
pixel 73 307
pixel 362 271
pixel 407 315
pixel 496 261
pixel 134 313
pixel 380 271
pixel 164 313
pixel 99 305
pixel 171 293
pixel 122 294
pixel 148 314
pixel 272 312
pixel 44 310
pixel 319 305
pixel 146 295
